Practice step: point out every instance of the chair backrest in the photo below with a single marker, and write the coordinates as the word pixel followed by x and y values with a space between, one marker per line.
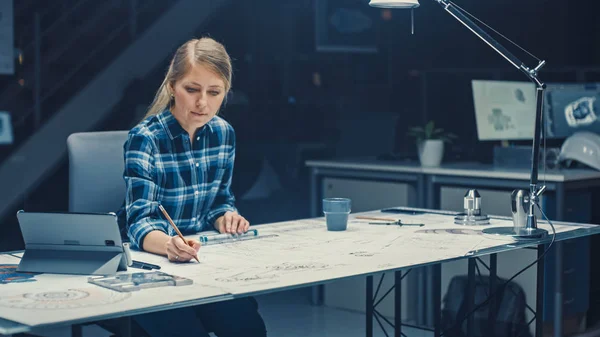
pixel 96 167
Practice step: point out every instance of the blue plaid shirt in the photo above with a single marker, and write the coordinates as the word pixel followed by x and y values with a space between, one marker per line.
pixel 190 179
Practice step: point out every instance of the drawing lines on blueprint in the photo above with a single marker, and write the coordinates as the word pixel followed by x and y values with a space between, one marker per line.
pixel 393 241
pixel 63 299
pixel 463 231
pixel 271 272
pixel 245 277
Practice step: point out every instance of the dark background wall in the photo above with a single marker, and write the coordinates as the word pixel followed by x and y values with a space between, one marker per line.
pixel 274 44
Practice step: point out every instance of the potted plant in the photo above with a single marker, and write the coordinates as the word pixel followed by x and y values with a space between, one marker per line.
pixel 430 143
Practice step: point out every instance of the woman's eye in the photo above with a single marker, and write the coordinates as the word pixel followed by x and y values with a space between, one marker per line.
pixel 191 89
pixel 214 93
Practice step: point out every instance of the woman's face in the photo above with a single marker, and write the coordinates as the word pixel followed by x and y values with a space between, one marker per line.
pixel 198 97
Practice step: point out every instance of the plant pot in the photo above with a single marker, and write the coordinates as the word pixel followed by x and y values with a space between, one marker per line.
pixel 431 152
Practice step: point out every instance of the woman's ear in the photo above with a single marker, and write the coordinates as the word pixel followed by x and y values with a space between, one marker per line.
pixel 171 89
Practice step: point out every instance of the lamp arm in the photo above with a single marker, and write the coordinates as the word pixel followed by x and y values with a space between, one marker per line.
pixel 531 73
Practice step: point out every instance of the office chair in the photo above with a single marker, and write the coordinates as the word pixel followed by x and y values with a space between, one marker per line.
pixel 96 167
pixel 96 185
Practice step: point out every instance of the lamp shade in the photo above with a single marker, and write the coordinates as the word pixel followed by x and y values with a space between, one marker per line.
pixel 394 3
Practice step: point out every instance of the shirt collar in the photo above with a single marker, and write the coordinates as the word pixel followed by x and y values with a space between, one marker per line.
pixel 174 129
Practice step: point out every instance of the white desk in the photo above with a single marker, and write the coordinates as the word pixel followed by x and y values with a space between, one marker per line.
pixel 290 254
pixel 431 186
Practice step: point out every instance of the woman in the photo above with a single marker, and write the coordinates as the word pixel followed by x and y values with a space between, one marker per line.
pixel 181 156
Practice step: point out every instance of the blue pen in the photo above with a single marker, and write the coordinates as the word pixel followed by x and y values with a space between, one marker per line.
pixel 220 238
pixel 144 265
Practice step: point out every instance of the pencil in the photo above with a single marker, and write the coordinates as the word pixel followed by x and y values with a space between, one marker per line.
pixel 175 227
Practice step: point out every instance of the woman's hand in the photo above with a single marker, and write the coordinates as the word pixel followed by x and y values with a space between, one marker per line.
pixel 233 223
pixel 180 251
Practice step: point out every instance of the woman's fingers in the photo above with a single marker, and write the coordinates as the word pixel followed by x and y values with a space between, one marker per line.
pixel 228 221
pixel 235 223
pixel 184 247
pixel 194 244
pixel 242 225
pixel 179 256
pixel 180 251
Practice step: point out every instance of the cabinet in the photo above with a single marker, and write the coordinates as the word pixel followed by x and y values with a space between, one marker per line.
pixel 368 195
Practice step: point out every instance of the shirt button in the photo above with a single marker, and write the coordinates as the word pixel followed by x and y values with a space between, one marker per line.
pixel 197 164
pixel 193 219
pixel 197 138
pixel 196 192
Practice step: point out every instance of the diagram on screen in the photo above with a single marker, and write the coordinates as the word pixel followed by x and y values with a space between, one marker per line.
pixel 504 110
pixel 500 121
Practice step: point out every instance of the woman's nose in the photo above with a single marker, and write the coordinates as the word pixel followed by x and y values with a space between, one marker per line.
pixel 201 101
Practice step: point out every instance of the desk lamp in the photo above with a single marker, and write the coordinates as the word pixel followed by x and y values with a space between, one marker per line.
pixel 528 230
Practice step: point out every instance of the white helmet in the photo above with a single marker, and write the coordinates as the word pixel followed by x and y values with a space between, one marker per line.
pixel 583 147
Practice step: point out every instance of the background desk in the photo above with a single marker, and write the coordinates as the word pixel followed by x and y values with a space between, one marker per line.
pixel 374 184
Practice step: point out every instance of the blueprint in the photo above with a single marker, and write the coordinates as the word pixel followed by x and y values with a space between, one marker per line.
pixel 303 252
pixel 58 298
pixel 286 254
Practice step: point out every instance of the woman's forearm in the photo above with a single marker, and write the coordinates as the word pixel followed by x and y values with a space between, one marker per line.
pixel 156 242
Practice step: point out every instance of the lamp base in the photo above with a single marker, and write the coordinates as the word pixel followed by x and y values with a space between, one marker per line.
pixel 525 234
pixel 471 220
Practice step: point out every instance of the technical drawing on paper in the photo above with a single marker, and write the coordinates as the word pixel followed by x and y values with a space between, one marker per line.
pixel 460 231
pixel 271 272
pixel 64 299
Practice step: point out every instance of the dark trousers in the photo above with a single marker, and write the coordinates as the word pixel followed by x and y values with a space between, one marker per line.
pixel 233 318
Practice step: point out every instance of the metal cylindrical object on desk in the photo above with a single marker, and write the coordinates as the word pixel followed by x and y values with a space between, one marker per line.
pixel 519 203
pixel 472 203
pixel 472 215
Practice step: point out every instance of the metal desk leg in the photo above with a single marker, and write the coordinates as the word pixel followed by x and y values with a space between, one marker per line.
pixel 558 292
pixel 558 264
pixel 437 299
pixel 428 295
pixel 539 300
pixel 470 296
pixel 421 274
pixel 397 304
pixel 492 306
pixel 369 299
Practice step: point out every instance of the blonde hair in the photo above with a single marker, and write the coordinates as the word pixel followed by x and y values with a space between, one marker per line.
pixel 204 51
